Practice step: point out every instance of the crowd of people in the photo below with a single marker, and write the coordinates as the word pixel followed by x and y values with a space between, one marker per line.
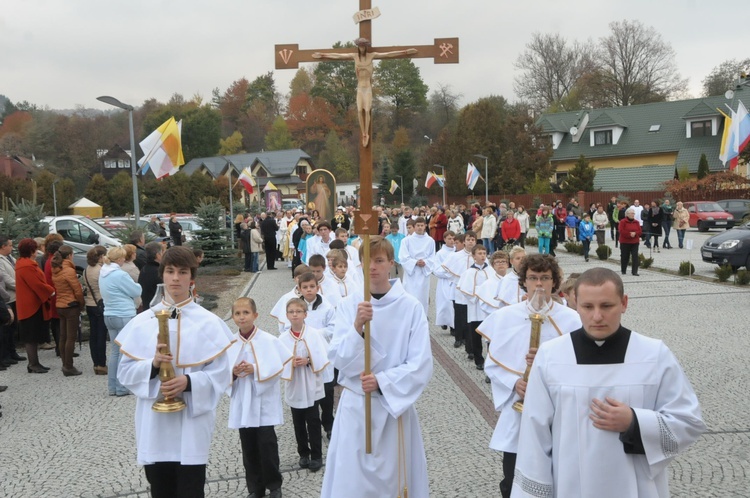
pixel 616 399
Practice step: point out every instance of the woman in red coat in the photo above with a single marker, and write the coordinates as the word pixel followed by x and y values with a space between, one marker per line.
pixel 510 228
pixel 32 295
pixel 441 225
pixel 630 238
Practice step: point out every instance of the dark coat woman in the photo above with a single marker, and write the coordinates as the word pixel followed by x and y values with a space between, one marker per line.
pixel 655 219
pixel 175 231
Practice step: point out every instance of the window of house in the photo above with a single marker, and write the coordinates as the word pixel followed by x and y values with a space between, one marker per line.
pixel 560 177
pixel 603 137
pixel 261 173
pixel 700 128
pixel 301 170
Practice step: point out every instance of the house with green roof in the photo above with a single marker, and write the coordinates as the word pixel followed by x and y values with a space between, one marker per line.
pixel 286 169
pixel 640 147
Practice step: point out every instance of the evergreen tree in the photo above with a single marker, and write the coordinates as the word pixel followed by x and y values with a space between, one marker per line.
pixel 703 167
pixel 403 165
pixel 279 138
pixel 29 218
pixel 385 180
pixel 213 237
pixel 581 177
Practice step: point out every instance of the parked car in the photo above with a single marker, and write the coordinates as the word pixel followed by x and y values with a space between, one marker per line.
pixel 705 215
pixel 739 208
pixel 81 232
pixel 189 226
pixel 729 248
pixel 288 204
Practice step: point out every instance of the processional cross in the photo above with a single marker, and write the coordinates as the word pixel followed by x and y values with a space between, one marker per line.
pixel 442 51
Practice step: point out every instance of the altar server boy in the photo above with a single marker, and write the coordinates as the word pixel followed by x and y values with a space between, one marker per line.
pixel 304 383
pixel 417 254
pixel 487 292
pixel 457 264
pixel 278 312
pixel 476 275
pixel 444 289
pixel 327 287
pixel 401 369
pixel 173 447
pixel 258 359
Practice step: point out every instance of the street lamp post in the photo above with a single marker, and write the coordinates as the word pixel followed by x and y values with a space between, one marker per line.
pixel 486 190
pixel 114 102
pixel 231 202
pixel 54 195
pixel 402 188
pixel 443 169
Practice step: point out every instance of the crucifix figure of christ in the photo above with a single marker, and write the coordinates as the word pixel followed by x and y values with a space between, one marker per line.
pixel 364 69
pixel 289 56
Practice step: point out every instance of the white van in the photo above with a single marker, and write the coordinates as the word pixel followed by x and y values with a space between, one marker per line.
pixel 81 232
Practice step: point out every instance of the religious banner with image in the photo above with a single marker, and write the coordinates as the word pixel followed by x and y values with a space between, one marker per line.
pixel 321 193
pixel 273 200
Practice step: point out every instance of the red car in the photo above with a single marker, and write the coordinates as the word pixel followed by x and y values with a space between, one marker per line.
pixel 705 215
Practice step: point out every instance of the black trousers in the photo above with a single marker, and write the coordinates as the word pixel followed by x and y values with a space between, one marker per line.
pixel 248 261
pixel 307 432
pixel 269 243
pixel 459 320
pixel 509 468
pixel 9 335
pixel 476 343
pixel 260 456
pixel 170 479
pixel 326 407
pixel 560 232
pixel 629 252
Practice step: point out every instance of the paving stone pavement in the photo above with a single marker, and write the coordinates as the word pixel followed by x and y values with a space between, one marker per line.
pixel 64 437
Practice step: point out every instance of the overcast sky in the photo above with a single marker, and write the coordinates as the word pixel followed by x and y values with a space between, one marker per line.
pixel 65 53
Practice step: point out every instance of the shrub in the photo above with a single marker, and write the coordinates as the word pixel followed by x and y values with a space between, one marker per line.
pixel 645 262
pixel 531 241
pixel 723 273
pixel 686 268
pixel 574 247
pixel 743 277
pixel 603 252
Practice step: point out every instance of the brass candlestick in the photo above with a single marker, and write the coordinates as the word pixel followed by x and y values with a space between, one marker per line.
pixel 536 333
pixel 166 370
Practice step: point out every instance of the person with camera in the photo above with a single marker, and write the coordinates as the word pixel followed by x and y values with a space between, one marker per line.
pixel 69 304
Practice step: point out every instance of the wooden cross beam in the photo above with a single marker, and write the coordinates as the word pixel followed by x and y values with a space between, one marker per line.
pixel 442 51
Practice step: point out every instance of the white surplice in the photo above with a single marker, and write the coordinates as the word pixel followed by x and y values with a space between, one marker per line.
pixel 486 294
pixel 402 363
pixel 563 454
pixel 329 289
pixel 304 385
pixel 444 289
pixel 316 245
pixel 255 400
pixel 198 341
pixel 456 264
pixel 509 291
pixel 509 331
pixel 417 279
pixel 467 284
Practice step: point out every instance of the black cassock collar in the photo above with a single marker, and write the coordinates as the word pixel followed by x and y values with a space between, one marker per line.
pixel 588 352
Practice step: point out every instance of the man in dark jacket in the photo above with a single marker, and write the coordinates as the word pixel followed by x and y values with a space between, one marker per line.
pixel 268 229
pixel 138 239
pixel 149 277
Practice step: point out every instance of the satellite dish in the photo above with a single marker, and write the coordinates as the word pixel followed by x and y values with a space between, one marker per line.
pixel 729 94
pixel 573 130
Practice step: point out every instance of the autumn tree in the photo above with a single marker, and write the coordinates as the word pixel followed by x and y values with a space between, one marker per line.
pixel 302 83
pixel 551 67
pixel 724 76
pixel 278 137
pixel 336 82
pixel 231 145
pixel 338 159
pixel 638 65
pixel 232 105
pixel 96 191
pixel 310 119
pixel 442 108
pixel 401 86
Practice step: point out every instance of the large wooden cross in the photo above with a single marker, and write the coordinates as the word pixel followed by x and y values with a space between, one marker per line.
pixel 442 51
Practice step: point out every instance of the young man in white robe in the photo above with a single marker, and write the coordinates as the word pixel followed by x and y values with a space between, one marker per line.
pixel 457 264
pixel 631 412
pixel 444 288
pixel 508 331
pixel 173 447
pixel 304 383
pixel 257 360
pixel 319 244
pixel 401 369
pixel 475 276
pixel 417 256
